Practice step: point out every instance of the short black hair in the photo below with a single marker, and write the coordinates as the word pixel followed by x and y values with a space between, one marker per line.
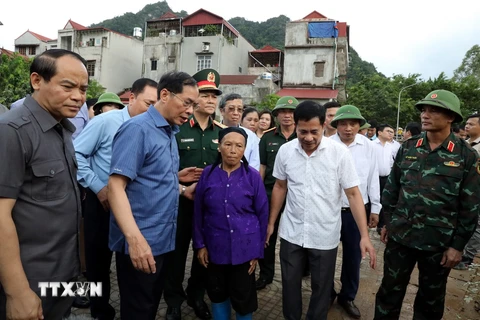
pixel 415 128
pixel 474 115
pixel 139 85
pixel 45 64
pixel 228 97
pixel 91 102
pixel 249 110
pixel 331 104
pixel 373 124
pixel 307 110
pixel 174 81
pixel 382 127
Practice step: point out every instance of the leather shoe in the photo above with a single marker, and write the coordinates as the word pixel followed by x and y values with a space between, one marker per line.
pixel 200 308
pixel 350 308
pixel 174 313
pixel 261 284
pixel 81 302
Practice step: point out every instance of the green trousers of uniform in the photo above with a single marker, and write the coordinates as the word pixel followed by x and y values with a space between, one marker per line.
pixel 399 262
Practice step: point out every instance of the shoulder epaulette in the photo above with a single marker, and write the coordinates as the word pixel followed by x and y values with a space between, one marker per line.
pixel 268 130
pixel 218 124
pixel 19 122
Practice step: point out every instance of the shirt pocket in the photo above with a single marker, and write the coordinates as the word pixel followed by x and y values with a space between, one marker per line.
pixel 49 181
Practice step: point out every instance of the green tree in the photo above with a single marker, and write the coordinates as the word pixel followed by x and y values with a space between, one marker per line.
pixel 14 78
pixel 268 102
pixel 470 65
pixel 95 89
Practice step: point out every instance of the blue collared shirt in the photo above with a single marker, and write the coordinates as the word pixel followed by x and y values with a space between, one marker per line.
pixel 145 150
pixel 93 148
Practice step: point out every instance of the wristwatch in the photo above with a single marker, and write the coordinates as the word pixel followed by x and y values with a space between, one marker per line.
pixel 183 190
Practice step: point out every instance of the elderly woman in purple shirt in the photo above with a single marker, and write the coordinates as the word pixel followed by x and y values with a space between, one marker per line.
pixel 229 227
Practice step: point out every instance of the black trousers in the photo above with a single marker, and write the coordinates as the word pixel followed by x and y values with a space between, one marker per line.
pixel 267 264
pixel 140 292
pixel 322 265
pixel 383 182
pixel 234 282
pixel 98 256
pixel 174 294
pixel 399 262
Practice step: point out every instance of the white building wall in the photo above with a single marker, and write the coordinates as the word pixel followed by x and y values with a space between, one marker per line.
pixel 160 49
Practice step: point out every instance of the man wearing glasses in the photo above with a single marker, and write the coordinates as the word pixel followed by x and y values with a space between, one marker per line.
pixel 143 193
pixel 231 108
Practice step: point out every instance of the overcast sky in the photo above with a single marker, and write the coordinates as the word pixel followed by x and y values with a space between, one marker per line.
pixel 401 37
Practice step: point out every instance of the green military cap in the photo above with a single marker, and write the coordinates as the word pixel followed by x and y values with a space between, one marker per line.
pixel 348 112
pixel 107 98
pixel 443 99
pixel 287 102
pixel 208 80
pixel 365 126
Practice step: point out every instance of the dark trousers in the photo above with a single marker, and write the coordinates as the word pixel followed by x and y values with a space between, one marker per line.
pixel 399 262
pixel 383 182
pixel 267 264
pixel 98 256
pixel 232 282
pixel 351 258
pixel 54 308
pixel 140 292
pixel 322 265
pixel 174 294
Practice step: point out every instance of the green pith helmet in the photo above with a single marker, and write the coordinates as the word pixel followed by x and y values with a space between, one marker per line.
pixel 365 126
pixel 442 99
pixel 107 98
pixel 208 80
pixel 287 102
pixel 348 112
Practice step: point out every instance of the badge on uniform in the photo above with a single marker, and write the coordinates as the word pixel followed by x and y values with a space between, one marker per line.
pixel 453 164
pixel 187 140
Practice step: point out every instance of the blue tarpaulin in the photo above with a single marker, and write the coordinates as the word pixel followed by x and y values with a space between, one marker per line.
pixel 322 30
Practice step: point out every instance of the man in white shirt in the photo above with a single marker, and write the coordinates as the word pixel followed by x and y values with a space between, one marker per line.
pixel 331 109
pixel 348 121
pixel 314 170
pixel 231 108
pixel 386 153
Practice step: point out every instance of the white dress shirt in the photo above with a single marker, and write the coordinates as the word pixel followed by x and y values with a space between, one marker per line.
pixel 364 156
pixel 312 215
pixel 385 156
pixel 252 151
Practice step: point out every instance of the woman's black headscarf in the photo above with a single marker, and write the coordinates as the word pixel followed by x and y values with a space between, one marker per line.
pixel 221 135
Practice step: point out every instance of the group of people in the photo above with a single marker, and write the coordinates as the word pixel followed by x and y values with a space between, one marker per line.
pixel 161 173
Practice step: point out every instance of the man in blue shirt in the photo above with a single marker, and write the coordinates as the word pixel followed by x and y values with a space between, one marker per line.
pixel 143 193
pixel 93 150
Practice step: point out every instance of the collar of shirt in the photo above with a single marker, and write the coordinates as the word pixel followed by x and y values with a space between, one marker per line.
pixel 125 114
pixel 159 120
pixel 470 141
pixel 44 118
pixel 323 144
pixel 357 140
pixel 192 121
pixel 448 144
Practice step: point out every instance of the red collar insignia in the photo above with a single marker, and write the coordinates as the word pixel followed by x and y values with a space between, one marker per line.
pixel 450 146
pixel 192 123
pixel 419 142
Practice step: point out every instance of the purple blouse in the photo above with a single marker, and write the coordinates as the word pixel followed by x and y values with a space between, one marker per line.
pixel 231 215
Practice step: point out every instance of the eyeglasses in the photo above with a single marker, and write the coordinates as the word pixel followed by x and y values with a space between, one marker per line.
pixel 185 103
pixel 231 109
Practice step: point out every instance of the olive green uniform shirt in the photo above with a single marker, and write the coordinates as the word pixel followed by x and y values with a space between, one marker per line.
pixel 432 198
pixel 270 142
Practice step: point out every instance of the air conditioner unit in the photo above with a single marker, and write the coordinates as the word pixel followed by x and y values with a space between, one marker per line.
pixel 206 46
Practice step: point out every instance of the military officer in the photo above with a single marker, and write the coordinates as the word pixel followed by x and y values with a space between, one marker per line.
pixel 198 147
pixel 271 141
pixel 431 210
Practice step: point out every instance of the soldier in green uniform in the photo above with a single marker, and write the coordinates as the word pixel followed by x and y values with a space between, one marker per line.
pixel 271 141
pixel 431 210
pixel 198 147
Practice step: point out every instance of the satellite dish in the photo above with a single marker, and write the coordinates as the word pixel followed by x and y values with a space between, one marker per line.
pixel 201 30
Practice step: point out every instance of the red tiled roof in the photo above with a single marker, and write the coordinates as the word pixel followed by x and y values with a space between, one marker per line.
pixel 76 26
pixel 267 48
pixel 301 93
pixel 36 35
pixel 167 16
pixel 11 53
pixel 202 16
pixel 237 79
pixel 125 97
pixel 314 15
